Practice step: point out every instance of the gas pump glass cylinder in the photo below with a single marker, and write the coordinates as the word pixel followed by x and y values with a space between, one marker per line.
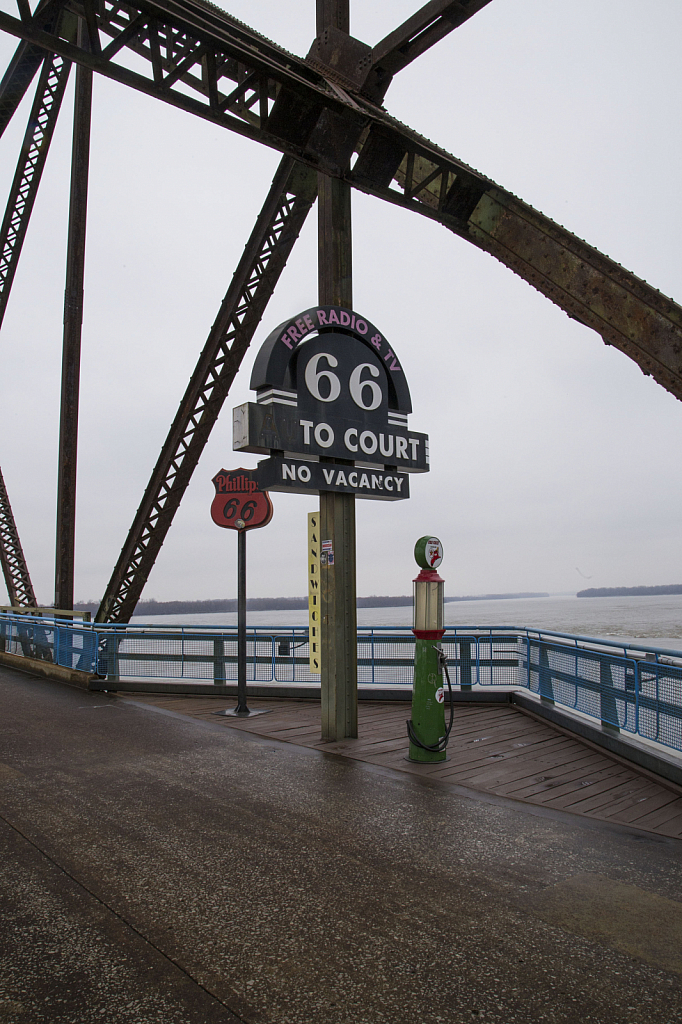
pixel 428 603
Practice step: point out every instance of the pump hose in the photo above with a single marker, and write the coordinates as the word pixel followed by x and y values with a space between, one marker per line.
pixel 442 743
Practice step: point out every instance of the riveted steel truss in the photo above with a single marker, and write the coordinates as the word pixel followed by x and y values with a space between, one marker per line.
pixel 50 17
pixel 290 198
pixel 203 61
pixel 14 568
pixel 41 123
pixel 16 80
pixel 325 114
pixel 425 28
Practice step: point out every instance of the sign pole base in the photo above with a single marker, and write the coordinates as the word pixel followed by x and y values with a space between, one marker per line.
pixel 242 713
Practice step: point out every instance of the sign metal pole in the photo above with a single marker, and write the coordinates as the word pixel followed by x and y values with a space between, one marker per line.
pixel 240 505
pixel 242 707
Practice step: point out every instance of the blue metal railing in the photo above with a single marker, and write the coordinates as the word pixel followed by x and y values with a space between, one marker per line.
pixel 631 687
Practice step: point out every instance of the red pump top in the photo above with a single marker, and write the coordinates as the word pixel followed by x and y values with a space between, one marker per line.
pixel 428 576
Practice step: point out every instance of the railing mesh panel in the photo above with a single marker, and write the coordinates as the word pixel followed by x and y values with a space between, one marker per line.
pixel 628 691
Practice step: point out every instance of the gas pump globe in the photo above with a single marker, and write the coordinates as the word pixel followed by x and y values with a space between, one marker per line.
pixel 426 728
pixel 428 587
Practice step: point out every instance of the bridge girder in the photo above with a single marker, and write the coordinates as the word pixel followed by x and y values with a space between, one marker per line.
pixel 14 568
pixel 246 84
pixel 324 112
pixel 279 223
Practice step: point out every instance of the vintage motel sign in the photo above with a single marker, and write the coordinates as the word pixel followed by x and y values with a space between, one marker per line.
pixel 330 387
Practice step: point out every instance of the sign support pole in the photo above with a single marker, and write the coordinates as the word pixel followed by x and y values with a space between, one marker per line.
pixel 239 505
pixel 242 707
pixel 339 676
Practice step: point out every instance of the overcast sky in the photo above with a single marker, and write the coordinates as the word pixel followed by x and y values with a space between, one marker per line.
pixel 555 463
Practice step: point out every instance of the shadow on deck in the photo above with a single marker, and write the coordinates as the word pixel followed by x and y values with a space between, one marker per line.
pixel 495 749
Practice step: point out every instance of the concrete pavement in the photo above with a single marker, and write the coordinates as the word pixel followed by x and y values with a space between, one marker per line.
pixel 159 869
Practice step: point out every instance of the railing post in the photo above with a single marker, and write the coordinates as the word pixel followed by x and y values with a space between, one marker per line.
pixel 371 634
pixel 544 677
pixel 465 664
pixel 182 652
pixel 112 644
pixel 637 700
pixel 218 661
pixel 608 712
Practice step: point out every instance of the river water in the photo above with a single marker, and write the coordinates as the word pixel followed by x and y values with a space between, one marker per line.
pixel 657 620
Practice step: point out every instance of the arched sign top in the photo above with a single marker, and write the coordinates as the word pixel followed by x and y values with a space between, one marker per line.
pixel 275 365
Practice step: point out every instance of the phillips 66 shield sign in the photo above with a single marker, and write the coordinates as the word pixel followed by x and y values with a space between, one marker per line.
pixel 239 504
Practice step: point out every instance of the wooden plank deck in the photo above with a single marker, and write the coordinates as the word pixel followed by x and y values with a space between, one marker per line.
pixel 493 748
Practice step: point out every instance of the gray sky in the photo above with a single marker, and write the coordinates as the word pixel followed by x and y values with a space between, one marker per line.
pixel 550 452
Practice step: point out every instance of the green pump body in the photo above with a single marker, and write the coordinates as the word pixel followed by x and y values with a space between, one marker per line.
pixel 428 713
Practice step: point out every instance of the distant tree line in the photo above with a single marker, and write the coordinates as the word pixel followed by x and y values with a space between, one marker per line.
pixel 671 588
pixel 266 604
pixel 495 597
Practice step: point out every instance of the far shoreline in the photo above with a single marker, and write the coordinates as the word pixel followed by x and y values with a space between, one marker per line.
pixel 264 604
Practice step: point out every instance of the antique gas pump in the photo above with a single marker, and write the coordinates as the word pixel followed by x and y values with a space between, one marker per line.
pixel 426 729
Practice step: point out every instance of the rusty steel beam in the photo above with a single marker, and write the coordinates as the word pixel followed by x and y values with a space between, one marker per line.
pixel 71 351
pixel 15 82
pixel 339 627
pixel 278 225
pixel 288 105
pixel 23 67
pixel 424 29
pixel 14 568
pixel 626 311
pixel 34 150
pixel 591 288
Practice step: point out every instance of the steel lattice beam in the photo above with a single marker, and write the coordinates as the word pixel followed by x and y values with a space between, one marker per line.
pixel 290 198
pixel 41 123
pixel 248 85
pixel 28 58
pixel 431 23
pixel 14 568
pixel 16 80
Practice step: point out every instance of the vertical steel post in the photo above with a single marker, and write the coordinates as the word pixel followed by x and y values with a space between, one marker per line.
pixel 242 707
pixel 73 320
pixel 242 710
pixel 608 712
pixel 339 673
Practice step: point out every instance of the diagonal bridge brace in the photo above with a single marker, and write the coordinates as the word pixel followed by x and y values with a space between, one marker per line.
pixel 14 567
pixel 15 82
pixel 50 16
pixel 34 150
pixel 292 194
pixel 290 106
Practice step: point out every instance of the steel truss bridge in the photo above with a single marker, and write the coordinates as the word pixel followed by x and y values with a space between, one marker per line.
pixel 325 114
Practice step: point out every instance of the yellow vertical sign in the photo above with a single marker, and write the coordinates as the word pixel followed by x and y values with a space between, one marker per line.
pixel 314 590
